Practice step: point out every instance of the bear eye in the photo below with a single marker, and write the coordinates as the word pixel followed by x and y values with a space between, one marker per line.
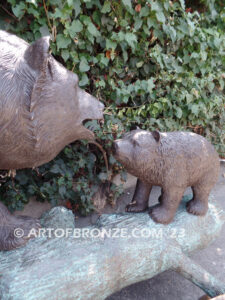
pixel 50 67
pixel 135 143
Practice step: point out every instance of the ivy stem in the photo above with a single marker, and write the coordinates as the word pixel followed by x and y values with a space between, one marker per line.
pixel 104 155
pixel 9 13
pixel 46 12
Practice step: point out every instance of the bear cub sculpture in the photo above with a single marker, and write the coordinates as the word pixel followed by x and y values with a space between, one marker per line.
pixel 173 161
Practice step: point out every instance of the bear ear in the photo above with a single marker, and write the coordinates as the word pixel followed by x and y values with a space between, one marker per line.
pixel 134 127
pixel 156 135
pixel 37 53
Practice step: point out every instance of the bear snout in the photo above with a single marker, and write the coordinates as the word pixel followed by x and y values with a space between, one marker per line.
pixel 115 147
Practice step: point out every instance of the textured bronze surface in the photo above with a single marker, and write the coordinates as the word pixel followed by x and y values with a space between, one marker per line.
pixel 117 251
pixel 174 161
pixel 42 109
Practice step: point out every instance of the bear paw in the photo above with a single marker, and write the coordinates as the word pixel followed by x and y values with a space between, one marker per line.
pixel 17 231
pixel 197 207
pixel 136 207
pixel 160 214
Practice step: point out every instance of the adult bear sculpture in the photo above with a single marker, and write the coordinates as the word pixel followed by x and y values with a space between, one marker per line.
pixel 174 161
pixel 42 110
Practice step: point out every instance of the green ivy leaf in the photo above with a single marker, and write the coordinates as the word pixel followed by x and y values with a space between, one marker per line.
pixel 84 67
pixel 103 176
pixel 195 109
pixel 106 7
pixel 139 64
pixel 75 27
pixel 160 17
pixel 127 4
pixel 189 98
pixel 65 54
pixel 62 41
pixel 62 191
pixel 170 31
pixel 44 31
pixel 57 13
pixel 84 80
pixel 70 2
pixel 77 7
pixel 211 86
pixel 131 39
pixel 103 60
pixel 155 6
pixel 55 169
pixel 19 10
pixel 179 112
pixel 182 3
pixel 110 44
pixel 203 55
pixel 93 30
pixel 34 2
pixel 151 84
pixel 138 23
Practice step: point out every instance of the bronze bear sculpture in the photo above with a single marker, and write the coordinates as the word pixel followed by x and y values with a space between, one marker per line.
pixel 173 161
pixel 42 110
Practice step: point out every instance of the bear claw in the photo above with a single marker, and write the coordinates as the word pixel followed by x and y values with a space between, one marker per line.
pixel 135 207
pixel 18 231
pixel 160 214
pixel 197 208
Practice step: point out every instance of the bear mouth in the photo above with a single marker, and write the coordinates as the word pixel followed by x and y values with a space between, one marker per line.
pixel 124 160
pixel 91 127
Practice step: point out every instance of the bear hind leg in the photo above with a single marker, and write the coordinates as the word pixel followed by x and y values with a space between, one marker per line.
pixel 199 204
pixel 15 231
pixel 201 190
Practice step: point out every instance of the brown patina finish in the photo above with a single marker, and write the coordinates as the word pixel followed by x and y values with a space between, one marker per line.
pixel 173 161
pixel 42 110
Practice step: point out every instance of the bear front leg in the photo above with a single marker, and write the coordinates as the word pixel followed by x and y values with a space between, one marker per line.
pixel 15 231
pixel 140 199
pixel 164 211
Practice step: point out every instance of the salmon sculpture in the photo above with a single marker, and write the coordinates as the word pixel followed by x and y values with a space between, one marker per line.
pixel 42 109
